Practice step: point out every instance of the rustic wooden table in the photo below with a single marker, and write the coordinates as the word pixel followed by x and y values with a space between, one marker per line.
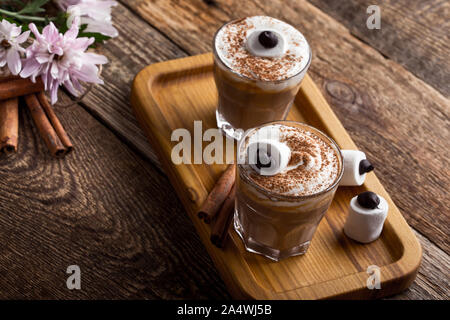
pixel 109 208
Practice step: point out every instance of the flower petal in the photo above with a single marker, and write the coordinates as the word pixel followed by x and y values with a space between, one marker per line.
pixel 35 31
pixel 14 63
pixel 31 67
pixel 23 37
pixel 95 58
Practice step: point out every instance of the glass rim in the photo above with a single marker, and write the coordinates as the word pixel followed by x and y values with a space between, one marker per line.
pixel 271 194
pixel 252 79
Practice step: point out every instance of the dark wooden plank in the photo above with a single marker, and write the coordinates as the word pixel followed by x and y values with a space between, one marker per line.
pixel 137 46
pixel 415 34
pixel 433 279
pixel 103 208
pixel 372 96
pixel 119 257
pixel 397 119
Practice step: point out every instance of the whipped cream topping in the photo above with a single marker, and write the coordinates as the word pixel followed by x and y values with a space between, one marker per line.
pixel 234 44
pixel 256 48
pixel 313 164
pixel 268 157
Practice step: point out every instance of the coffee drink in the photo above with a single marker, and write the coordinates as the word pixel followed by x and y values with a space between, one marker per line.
pixel 288 173
pixel 259 63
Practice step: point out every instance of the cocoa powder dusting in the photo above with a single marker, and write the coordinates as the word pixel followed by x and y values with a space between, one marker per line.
pixel 257 68
pixel 305 147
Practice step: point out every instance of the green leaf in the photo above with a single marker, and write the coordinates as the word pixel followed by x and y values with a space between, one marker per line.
pixel 99 38
pixel 33 7
pixel 9 19
pixel 12 5
pixel 61 22
pixel 19 3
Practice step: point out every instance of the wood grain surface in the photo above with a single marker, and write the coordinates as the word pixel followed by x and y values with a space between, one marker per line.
pixel 173 94
pixel 407 120
pixel 415 34
pixel 102 208
pixel 137 46
pixel 42 234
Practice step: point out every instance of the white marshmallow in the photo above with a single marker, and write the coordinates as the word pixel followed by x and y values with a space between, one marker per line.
pixel 351 176
pixel 256 48
pixel 274 152
pixel 232 53
pixel 365 225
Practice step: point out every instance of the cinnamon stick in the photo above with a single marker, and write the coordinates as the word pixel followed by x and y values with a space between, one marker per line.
pixel 44 126
pixel 9 125
pixel 59 129
pixel 217 196
pixel 17 87
pixel 4 78
pixel 219 232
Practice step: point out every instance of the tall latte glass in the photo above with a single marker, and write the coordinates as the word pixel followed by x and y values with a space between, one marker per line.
pixel 259 63
pixel 288 173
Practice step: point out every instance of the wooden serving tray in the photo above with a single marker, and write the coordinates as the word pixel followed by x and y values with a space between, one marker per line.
pixel 171 95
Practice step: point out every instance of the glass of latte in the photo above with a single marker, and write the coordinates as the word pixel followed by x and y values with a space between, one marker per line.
pixel 288 173
pixel 259 63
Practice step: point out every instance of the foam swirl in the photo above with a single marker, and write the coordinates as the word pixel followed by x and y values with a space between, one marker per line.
pixel 313 165
pixel 232 48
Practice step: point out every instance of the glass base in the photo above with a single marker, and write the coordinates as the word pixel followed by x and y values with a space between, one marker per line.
pixel 255 247
pixel 227 128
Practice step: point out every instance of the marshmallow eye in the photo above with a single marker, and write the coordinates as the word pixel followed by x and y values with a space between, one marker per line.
pixel 266 43
pixel 356 166
pixel 268 157
pixel 365 166
pixel 264 158
pixel 268 39
pixel 368 200
pixel 261 159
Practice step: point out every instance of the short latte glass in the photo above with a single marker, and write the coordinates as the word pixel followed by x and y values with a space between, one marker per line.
pixel 253 90
pixel 279 224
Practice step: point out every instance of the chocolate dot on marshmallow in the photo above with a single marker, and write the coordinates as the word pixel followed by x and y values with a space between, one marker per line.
pixel 356 166
pixel 365 166
pixel 266 43
pixel 368 200
pixel 268 157
pixel 366 217
pixel 268 39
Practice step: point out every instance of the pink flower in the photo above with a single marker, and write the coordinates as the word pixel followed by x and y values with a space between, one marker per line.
pixel 10 46
pixel 61 60
pixel 64 4
pixel 96 14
